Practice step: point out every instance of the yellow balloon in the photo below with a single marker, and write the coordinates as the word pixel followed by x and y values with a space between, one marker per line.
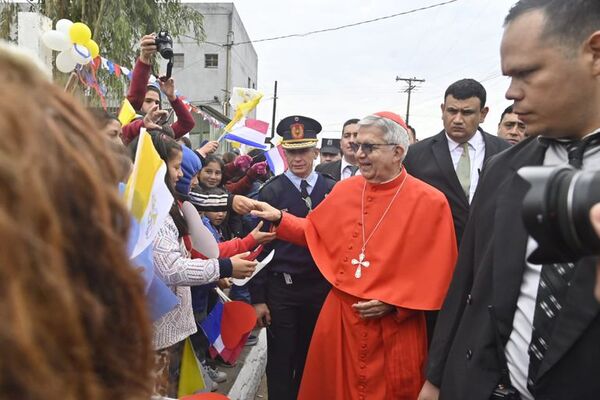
pixel 93 48
pixel 80 33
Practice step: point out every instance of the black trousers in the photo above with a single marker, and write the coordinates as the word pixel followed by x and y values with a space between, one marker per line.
pixel 294 311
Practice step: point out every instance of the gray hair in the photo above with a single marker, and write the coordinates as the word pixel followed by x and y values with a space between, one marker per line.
pixel 393 133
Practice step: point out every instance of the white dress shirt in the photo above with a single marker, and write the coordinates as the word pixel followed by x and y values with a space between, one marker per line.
pixel 476 155
pixel 296 180
pixel 345 172
pixel 517 347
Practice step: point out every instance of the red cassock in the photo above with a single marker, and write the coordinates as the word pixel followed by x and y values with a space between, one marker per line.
pixel 411 254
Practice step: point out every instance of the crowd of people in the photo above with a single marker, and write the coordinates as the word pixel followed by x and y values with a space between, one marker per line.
pixel 400 266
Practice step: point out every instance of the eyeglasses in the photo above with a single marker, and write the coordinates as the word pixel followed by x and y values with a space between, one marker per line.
pixel 368 148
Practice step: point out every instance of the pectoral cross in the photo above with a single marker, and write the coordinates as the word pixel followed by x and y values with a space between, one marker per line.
pixel 361 262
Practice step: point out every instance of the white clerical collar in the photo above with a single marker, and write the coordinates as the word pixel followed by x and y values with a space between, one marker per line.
pixel 476 141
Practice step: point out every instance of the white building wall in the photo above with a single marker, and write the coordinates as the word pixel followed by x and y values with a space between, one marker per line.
pixel 208 86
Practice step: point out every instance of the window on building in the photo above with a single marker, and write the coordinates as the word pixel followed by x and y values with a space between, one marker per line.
pixel 249 83
pixel 178 60
pixel 253 85
pixel 211 61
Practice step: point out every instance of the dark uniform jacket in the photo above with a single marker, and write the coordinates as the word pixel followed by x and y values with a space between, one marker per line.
pixel 295 260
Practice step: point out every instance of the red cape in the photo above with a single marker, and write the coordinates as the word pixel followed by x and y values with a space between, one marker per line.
pixel 412 253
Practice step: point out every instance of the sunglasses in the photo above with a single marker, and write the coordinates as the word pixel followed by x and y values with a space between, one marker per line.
pixel 368 148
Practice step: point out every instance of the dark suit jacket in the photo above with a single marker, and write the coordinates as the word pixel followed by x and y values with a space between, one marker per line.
pixel 463 360
pixel 429 160
pixel 333 169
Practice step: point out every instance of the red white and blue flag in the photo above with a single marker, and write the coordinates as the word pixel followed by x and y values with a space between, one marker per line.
pixel 253 133
pixel 276 160
pixel 227 328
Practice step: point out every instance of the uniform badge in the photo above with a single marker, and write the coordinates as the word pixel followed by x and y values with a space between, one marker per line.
pixel 297 131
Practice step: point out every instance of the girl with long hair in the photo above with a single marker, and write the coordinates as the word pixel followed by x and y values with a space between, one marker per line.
pixel 175 267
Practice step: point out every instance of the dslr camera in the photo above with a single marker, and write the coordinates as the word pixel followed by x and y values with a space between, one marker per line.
pixel 164 44
pixel 556 213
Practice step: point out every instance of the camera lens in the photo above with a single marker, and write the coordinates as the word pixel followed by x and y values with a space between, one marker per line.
pixel 556 212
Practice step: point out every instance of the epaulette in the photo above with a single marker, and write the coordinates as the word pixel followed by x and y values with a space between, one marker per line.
pixel 269 181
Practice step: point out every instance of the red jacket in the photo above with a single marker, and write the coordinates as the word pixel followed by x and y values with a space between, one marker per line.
pixel 228 248
pixel 137 93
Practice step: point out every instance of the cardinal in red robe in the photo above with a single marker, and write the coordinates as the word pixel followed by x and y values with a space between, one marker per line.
pixel 385 241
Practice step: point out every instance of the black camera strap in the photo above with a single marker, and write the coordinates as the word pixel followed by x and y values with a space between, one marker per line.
pixel 504 374
pixel 169 67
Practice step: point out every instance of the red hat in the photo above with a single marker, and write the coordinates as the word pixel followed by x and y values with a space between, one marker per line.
pixel 393 116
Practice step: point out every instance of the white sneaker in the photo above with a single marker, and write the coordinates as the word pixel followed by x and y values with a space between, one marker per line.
pixel 210 384
pixel 214 374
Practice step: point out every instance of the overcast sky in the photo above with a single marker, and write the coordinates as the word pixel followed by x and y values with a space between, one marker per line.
pixel 335 76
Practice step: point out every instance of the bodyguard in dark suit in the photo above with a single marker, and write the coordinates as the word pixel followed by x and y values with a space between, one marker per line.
pixel 441 160
pixel 540 324
pixel 289 293
pixel 346 166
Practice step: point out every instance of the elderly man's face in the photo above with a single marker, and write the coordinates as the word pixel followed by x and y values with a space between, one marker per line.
pixel 511 128
pixel 383 161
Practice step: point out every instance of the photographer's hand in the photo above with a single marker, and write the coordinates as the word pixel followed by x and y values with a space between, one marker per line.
pixel 148 48
pixel 595 218
pixel 168 88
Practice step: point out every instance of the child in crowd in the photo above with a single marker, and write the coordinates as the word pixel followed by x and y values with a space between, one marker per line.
pixel 174 266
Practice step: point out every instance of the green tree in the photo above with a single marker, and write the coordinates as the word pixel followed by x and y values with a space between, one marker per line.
pixel 117 25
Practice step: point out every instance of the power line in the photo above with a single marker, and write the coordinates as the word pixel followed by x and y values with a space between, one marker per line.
pixel 347 25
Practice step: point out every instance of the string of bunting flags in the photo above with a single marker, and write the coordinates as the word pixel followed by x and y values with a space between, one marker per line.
pixel 89 79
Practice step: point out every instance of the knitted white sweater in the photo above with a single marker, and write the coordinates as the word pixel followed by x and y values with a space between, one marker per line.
pixel 174 266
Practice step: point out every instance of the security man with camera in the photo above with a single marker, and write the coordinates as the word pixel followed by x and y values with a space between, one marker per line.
pixel 146 97
pixel 520 320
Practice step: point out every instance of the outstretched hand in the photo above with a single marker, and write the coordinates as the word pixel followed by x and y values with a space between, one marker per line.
pixel 262 237
pixel 266 211
pixel 243 205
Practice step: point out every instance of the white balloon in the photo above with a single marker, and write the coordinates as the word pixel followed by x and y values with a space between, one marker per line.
pixel 64 62
pixel 56 40
pixel 81 54
pixel 64 26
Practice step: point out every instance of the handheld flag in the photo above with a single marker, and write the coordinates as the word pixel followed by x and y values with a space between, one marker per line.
pixel 191 379
pixel 227 328
pixel 243 100
pixel 146 193
pixel 276 160
pixel 252 133
pixel 127 113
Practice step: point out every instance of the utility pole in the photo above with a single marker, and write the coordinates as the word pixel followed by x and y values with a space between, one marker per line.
pixel 274 109
pixel 409 89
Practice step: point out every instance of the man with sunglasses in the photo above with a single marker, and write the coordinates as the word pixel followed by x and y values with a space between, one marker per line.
pixel 370 339
pixel 289 293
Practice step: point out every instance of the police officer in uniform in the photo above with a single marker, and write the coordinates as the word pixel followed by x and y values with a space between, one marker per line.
pixel 289 293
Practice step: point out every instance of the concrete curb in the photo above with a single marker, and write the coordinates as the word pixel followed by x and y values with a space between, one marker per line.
pixel 249 378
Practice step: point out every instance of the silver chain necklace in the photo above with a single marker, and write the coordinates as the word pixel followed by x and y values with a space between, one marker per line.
pixel 362 262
